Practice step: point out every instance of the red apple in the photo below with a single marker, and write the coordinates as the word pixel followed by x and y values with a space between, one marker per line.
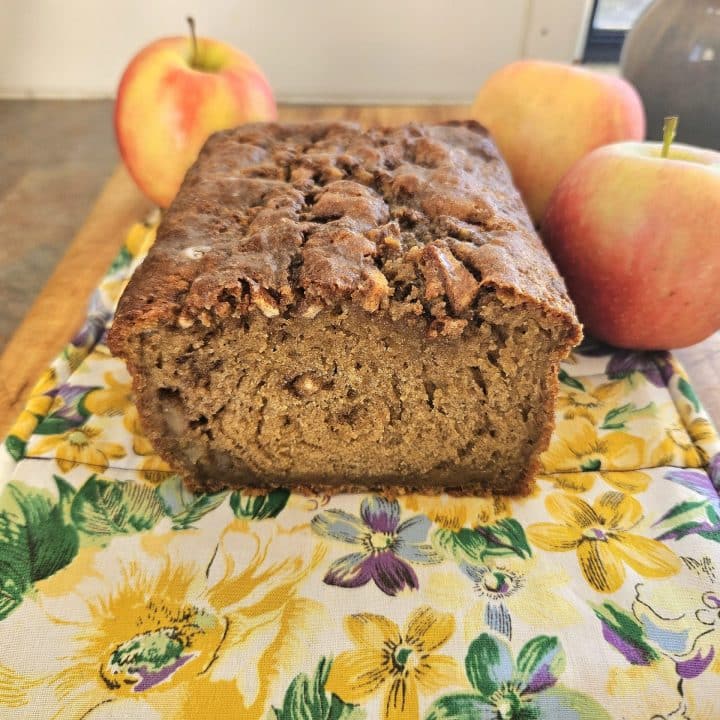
pixel 172 96
pixel 545 116
pixel 637 237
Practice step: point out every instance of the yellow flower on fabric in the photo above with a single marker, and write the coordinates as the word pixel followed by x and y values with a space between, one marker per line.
pixel 151 634
pixel 600 536
pixel 700 431
pixel 577 445
pixel 113 399
pixel 14 688
pixel 454 513
pixel 627 481
pixel 676 448
pixel 138 242
pixel 131 421
pixel 112 288
pixel 504 589
pixel 79 446
pixel 37 406
pixel 153 468
pixel 681 618
pixel 655 683
pixel 593 403
pixel 74 356
pixel 140 238
pixel 682 444
pixel 396 663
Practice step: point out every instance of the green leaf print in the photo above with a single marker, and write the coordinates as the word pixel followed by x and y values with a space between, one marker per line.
pixel 66 493
pixel 259 507
pixel 80 404
pixel 464 545
pixel 689 517
pixel 15 577
pixel 52 542
pixel 541 655
pixel 570 380
pixel 342 711
pixel 55 425
pixel 506 537
pixel 106 507
pixel 184 506
pixel 36 539
pixel 686 389
pixel 561 703
pixel 121 260
pixel 681 508
pixel 489 665
pixel 522 690
pixel 474 546
pixel 15 447
pixel 461 707
pixel 306 699
pixel 617 418
pixel 623 632
pixel 712 535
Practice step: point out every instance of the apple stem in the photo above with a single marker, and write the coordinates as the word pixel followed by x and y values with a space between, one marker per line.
pixel 669 129
pixel 193 37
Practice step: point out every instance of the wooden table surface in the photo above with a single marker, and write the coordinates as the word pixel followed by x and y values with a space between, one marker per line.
pixel 60 307
pixel 55 155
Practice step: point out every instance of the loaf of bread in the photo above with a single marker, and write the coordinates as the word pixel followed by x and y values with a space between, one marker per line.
pixel 331 309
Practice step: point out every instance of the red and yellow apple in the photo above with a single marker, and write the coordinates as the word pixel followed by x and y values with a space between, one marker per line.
pixel 172 96
pixel 545 116
pixel 637 237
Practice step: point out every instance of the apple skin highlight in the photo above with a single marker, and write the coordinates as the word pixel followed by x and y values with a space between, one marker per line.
pixel 166 108
pixel 545 116
pixel 637 238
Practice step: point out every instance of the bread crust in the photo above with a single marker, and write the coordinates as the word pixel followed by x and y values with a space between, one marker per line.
pixel 291 221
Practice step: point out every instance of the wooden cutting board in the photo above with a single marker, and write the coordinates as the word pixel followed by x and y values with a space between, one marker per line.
pixel 60 308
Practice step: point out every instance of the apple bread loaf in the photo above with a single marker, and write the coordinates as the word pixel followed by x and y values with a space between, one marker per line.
pixel 331 309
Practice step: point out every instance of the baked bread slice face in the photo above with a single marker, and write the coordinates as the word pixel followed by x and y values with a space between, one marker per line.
pixel 331 309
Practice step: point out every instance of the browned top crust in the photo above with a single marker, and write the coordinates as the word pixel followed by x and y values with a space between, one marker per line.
pixel 292 219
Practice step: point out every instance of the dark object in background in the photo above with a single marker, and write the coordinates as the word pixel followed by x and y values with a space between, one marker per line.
pixel 672 56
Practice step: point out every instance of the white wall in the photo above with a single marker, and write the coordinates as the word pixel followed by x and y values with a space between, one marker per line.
pixel 311 50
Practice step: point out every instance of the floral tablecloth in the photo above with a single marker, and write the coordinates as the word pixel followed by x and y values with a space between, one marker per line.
pixel 122 595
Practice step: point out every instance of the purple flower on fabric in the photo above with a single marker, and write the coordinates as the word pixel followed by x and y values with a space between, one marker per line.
pixel 91 332
pixel 385 546
pixel 696 480
pixel 656 366
pixel 70 396
pixel 623 632
pixel 95 324
pixel 690 637
pixel 695 666
pixel 633 654
pixel 688 517
pixel 704 528
pixel 150 678
pixel 714 471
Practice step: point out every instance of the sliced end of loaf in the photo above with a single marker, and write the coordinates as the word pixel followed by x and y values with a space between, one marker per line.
pixel 338 403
